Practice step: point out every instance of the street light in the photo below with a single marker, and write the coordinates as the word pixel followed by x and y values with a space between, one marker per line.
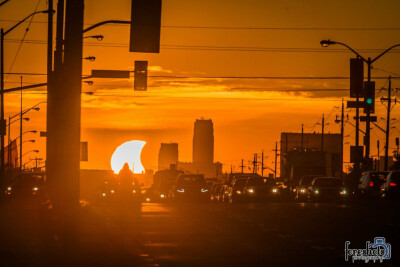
pixel 97 37
pixel 368 61
pixel 2 123
pixel 35 108
pixel 90 58
pixel 20 158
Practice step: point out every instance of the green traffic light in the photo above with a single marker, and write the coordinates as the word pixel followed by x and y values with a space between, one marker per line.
pixel 369 101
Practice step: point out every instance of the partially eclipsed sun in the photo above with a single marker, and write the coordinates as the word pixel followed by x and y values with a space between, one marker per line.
pixel 128 152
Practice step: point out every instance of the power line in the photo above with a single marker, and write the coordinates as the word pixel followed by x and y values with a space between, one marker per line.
pixel 23 39
pixel 229 77
pixel 252 28
pixel 226 48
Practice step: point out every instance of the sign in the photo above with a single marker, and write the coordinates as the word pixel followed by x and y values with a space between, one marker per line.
pixel 371 118
pixel 355 104
pixel 111 74
pixel 84 151
pixel 356 153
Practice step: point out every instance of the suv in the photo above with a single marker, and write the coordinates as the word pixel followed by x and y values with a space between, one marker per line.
pixel 391 187
pixel 370 183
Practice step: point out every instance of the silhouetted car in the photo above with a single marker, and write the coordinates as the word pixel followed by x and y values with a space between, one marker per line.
pixel 215 190
pixel 300 191
pixel 107 191
pixel 27 185
pixel 223 195
pixel 258 188
pixel 327 188
pixel 370 183
pixel 390 189
pixel 236 191
pixel 191 187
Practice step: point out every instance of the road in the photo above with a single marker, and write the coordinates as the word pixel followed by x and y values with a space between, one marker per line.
pixel 210 234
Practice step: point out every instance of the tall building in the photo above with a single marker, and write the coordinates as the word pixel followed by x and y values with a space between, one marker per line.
pixel 203 142
pixel 167 155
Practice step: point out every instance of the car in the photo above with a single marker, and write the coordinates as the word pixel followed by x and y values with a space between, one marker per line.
pixel 300 191
pixel 258 188
pixel 390 189
pixel 191 187
pixel 236 191
pixel 214 192
pixel 27 185
pixel 327 188
pixel 223 194
pixel 107 190
pixel 370 183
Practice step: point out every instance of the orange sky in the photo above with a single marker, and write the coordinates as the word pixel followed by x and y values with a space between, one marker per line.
pixel 247 118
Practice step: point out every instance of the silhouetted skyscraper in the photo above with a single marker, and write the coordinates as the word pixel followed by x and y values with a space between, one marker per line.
pixel 167 155
pixel 203 142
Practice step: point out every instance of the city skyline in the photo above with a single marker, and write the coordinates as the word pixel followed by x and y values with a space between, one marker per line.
pixel 242 109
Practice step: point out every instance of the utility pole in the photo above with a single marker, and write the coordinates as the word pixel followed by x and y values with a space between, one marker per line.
pixel 341 141
pixel 341 138
pixel 302 138
pixel 389 106
pixel 322 135
pixel 262 163
pixel 242 166
pixel 20 133
pixel 379 158
pixel 255 163
pixel 276 158
pixel 64 112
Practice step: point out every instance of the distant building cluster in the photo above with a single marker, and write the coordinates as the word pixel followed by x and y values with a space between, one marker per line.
pixel 203 152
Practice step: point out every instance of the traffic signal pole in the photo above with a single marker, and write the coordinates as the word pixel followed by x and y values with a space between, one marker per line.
pixel 368 123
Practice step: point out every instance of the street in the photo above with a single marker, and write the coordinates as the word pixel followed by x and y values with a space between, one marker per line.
pixel 209 234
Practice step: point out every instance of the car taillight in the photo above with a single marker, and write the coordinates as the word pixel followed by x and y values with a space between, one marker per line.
pixel 371 184
pixel 392 184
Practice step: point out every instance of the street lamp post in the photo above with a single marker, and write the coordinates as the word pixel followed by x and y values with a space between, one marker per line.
pixel 369 62
pixel 20 158
pixel 22 112
pixel 2 122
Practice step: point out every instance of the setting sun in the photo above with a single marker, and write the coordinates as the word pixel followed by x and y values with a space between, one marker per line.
pixel 129 152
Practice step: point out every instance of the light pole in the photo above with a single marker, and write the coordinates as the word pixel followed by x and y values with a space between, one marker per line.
pixel 9 133
pixel 369 62
pixel 20 158
pixel 22 112
pixel 2 122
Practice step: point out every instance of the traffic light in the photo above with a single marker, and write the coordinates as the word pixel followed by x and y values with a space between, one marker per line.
pixel 369 97
pixel 140 82
pixel 145 26
pixel 356 77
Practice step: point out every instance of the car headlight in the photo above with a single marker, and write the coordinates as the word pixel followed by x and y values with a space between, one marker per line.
pixel 250 190
pixel 316 191
pixel 112 191
pixel 104 194
pixel 180 190
pixel 162 196
pixel 203 190
pixel 9 188
pixel 35 189
pixel 238 192
pixel 148 199
pixel 302 190
pixel 343 192
pixel 275 190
